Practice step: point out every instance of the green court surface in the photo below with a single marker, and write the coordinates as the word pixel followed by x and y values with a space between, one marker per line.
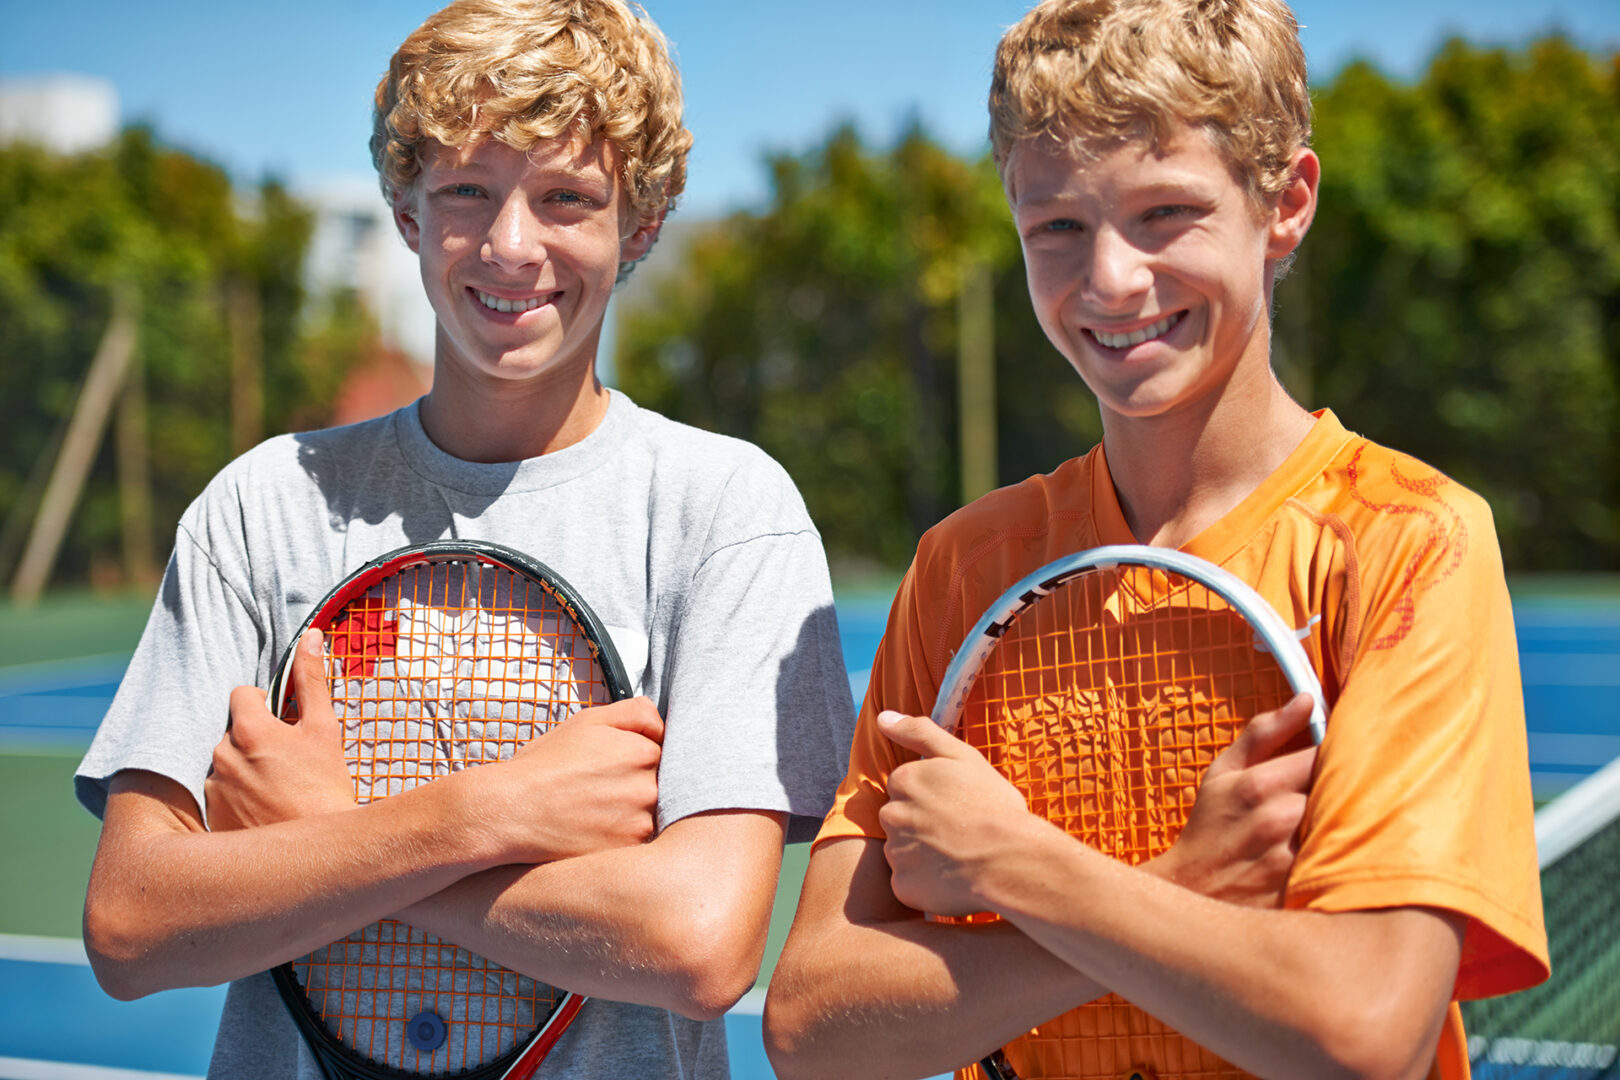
pixel 47 839
pixel 45 845
pixel 71 625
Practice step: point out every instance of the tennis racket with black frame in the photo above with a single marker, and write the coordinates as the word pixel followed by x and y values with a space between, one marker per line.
pixel 1102 686
pixel 439 657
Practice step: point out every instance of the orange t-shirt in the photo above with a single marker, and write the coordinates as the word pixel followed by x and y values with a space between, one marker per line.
pixel 1392 573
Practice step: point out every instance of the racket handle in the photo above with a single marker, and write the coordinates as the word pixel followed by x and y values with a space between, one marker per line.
pixel 996 1068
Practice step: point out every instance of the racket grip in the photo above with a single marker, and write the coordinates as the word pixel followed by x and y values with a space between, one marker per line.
pixel 996 1068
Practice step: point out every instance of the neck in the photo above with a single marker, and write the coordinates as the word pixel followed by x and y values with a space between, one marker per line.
pixel 495 420
pixel 1176 475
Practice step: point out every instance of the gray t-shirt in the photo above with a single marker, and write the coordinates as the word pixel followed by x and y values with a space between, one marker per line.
pixel 694 549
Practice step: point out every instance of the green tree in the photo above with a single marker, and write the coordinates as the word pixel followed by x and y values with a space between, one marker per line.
pixel 1459 294
pixel 173 229
pixel 824 329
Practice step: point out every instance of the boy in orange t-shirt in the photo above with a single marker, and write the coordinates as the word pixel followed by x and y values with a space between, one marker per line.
pixel 1155 156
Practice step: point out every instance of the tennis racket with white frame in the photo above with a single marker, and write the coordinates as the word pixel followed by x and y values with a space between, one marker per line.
pixel 1102 686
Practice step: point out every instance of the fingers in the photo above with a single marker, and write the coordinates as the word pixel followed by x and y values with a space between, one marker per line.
pixel 309 679
pixel 637 715
pixel 1263 737
pixel 921 735
pixel 248 711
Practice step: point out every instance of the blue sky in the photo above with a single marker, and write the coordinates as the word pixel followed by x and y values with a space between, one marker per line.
pixel 284 87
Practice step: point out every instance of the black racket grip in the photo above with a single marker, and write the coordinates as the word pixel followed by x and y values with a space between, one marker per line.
pixel 996 1068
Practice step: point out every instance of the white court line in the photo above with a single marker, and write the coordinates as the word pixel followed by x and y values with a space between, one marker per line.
pixel 43 950
pixel 54 950
pixel 29 1069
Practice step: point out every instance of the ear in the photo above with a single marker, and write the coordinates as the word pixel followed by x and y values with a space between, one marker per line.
pixel 638 243
pixel 1295 205
pixel 406 219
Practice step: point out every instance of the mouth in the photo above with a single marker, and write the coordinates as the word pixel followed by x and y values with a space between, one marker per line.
pixel 508 305
pixel 1139 335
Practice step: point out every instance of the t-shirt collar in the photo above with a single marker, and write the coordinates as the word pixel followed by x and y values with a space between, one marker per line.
pixel 1217 543
pixel 425 458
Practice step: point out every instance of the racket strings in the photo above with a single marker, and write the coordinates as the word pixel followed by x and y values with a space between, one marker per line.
pixel 363 985
pixel 1104 707
pixel 442 665
pixel 1104 703
pixel 454 664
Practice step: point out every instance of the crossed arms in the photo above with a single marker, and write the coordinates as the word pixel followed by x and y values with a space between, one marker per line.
pixel 1197 937
pixel 546 863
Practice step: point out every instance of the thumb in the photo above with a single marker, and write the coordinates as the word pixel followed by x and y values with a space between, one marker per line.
pixel 309 679
pixel 920 735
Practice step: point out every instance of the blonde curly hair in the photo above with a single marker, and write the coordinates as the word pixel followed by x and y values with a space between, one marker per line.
pixel 527 71
pixel 1092 73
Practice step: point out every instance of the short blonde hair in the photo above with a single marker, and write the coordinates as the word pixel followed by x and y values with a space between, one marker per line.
pixel 527 71
pixel 1095 72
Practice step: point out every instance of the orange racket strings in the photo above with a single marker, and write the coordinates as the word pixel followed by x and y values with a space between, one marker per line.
pixel 441 666
pixel 1104 703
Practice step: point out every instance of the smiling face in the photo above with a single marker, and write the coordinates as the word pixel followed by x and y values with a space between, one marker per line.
pixel 1150 270
pixel 518 253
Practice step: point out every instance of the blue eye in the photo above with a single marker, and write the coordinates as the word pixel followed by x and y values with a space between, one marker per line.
pixel 467 190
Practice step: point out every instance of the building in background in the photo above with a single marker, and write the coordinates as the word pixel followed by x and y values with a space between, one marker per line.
pixel 356 247
pixel 64 113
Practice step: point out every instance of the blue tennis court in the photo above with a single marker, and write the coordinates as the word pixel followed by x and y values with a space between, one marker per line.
pixel 62 1027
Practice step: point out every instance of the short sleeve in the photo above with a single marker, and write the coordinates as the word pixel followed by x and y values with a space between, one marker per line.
pixel 1422 796
pixel 200 643
pixel 899 681
pixel 758 712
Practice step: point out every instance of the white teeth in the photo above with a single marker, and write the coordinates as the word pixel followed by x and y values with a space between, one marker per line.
pixel 500 303
pixel 1136 337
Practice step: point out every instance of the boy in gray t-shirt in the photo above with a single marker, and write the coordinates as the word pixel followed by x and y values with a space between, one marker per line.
pixel 530 150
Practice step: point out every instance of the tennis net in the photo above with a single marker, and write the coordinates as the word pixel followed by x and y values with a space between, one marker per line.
pixel 1568 1028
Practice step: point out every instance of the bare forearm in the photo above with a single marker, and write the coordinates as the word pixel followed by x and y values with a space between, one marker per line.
pixel 678 922
pixel 1279 993
pixel 173 906
pixel 911 998
pixel 867 987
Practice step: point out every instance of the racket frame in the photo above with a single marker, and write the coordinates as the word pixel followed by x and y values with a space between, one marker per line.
pixel 1270 631
pixel 1271 634
pixel 356 584
pixel 338 1061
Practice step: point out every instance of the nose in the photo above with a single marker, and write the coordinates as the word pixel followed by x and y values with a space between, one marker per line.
pixel 515 239
pixel 1118 270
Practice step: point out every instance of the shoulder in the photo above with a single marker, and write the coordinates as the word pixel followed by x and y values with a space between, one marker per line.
pixel 1395 553
pixel 1399 509
pixel 287 487
pixel 319 457
pixel 728 485
pixel 968 559
pixel 1026 522
pixel 682 448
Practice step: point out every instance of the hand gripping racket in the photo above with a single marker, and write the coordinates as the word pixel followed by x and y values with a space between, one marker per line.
pixel 440 657
pixel 1103 685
